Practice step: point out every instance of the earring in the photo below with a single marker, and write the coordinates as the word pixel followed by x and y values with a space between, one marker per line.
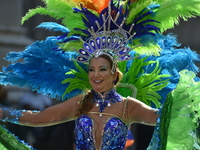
pixel 114 82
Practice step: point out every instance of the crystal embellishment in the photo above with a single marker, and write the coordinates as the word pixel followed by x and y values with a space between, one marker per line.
pixel 106 99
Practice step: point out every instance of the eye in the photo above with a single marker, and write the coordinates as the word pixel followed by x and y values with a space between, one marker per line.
pixel 90 70
pixel 103 69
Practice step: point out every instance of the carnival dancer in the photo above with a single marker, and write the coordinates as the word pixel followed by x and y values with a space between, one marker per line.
pixel 107 86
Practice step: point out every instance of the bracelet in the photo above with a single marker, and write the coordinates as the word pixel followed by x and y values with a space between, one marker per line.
pixel 12 116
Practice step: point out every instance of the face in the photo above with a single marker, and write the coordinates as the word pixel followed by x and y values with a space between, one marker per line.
pixel 100 76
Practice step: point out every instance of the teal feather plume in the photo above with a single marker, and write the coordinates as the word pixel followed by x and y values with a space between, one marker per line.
pixel 53 26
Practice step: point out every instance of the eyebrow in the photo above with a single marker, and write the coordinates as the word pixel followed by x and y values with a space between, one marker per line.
pixel 99 66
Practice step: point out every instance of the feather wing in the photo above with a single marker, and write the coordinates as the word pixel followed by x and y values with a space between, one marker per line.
pixel 41 69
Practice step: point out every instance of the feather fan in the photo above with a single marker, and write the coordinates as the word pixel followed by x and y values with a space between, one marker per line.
pixel 41 69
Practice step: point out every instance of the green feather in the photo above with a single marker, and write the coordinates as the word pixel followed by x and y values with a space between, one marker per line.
pixel 145 48
pixel 122 66
pixel 71 45
pixel 171 11
pixel 58 10
pixel 135 8
pixel 83 73
pixel 13 144
pixel 80 81
pixel 147 84
pixel 168 14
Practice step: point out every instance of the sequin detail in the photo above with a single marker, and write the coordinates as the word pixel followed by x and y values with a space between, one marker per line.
pixel 110 97
pixel 83 130
pixel 11 115
pixel 156 143
pixel 114 134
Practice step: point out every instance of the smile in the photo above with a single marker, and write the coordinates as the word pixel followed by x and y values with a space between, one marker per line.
pixel 97 81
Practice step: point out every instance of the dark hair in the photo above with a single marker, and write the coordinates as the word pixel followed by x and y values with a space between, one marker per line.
pixel 86 104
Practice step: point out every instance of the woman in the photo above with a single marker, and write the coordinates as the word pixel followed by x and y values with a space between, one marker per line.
pixel 104 35
pixel 94 128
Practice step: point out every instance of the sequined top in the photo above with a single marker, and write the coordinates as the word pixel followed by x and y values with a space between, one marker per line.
pixel 113 137
pixel 113 134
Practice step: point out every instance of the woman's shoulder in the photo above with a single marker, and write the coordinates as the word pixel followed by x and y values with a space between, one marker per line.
pixel 131 99
pixel 131 102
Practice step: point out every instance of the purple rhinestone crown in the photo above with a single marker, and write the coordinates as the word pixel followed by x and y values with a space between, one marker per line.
pixel 110 42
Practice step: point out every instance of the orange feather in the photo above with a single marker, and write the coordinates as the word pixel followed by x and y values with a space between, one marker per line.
pixel 96 5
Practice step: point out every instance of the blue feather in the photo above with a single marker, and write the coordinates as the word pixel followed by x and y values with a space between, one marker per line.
pixel 62 36
pixel 53 26
pixel 73 38
pixel 84 31
pixel 172 60
pixel 42 69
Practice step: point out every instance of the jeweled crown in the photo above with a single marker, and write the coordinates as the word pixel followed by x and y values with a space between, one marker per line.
pixel 106 41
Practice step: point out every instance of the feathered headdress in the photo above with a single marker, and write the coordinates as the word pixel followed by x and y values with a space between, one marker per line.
pixel 124 29
pixel 139 19
pixel 96 29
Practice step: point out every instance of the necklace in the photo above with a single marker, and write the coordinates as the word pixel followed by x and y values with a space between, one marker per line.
pixel 105 99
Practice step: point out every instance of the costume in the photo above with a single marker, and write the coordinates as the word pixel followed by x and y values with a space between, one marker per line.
pixel 123 30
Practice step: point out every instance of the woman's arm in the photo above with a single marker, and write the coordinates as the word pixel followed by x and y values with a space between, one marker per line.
pixel 139 112
pixel 56 114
